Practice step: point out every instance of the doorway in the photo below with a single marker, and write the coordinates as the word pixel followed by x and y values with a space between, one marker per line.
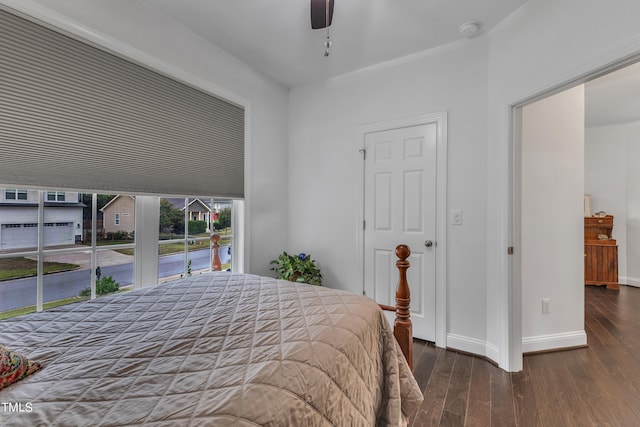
pixel 569 324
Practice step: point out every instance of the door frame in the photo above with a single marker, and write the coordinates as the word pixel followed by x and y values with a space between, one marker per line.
pixel 440 120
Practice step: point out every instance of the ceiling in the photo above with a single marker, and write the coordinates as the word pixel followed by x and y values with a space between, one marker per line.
pixel 613 99
pixel 275 37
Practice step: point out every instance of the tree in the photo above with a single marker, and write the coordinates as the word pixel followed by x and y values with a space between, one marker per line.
pixel 171 218
pixel 87 199
pixel 224 219
pixel 197 227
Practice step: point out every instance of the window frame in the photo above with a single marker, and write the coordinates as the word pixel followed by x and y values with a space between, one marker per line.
pixel 17 194
pixel 58 196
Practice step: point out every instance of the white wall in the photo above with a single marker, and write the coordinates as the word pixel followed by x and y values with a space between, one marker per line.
pixel 140 32
pixel 605 178
pixel 324 160
pixel 552 151
pixel 613 179
pixel 633 207
pixel 542 45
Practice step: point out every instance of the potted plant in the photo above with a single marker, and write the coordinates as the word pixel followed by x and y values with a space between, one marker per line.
pixel 297 268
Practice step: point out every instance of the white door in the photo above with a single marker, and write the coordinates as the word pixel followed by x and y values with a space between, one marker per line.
pixel 400 207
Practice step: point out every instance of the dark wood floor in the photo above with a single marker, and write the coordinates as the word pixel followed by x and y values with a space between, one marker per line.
pixel 594 386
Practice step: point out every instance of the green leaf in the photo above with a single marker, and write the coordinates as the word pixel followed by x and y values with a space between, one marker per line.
pixel 291 267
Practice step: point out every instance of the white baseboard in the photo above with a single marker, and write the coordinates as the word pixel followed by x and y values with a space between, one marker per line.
pixel 492 353
pixel 631 281
pixel 554 341
pixel 473 345
pixel 529 344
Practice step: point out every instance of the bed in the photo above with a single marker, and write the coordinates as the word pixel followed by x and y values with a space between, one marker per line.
pixel 213 349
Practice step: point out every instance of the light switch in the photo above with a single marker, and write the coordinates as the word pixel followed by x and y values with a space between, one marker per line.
pixel 456 217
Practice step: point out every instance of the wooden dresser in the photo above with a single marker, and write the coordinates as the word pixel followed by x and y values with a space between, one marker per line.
pixel 600 253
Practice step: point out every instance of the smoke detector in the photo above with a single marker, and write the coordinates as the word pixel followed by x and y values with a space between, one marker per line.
pixel 468 29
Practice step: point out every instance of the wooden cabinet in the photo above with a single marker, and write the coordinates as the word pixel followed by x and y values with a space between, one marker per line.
pixel 600 253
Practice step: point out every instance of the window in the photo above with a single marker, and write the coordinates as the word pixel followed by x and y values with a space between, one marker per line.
pixel 117 219
pixel 82 249
pixel 69 250
pixel 184 246
pixel 15 194
pixel 55 196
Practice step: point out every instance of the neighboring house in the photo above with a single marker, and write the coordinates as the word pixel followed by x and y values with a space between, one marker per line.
pixel 119 214
pixel 198 210
pixel 19 218
pixel 202 211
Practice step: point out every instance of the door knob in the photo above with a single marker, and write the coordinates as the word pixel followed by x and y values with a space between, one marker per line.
pixel 428 243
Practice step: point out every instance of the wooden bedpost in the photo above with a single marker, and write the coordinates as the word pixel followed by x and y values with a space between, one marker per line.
pixel 216 265
pixel 402 328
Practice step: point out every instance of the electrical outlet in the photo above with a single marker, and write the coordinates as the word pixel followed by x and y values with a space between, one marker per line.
pixel 456 217
pixel 545 305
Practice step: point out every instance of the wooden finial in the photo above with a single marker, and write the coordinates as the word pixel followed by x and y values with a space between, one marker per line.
pixel 216 265
pixel 403 328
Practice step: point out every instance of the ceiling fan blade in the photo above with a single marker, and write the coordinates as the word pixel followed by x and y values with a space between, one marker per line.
pixel 319 15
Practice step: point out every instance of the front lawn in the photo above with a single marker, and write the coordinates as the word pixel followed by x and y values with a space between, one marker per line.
pixel 18 267
pixel 174 248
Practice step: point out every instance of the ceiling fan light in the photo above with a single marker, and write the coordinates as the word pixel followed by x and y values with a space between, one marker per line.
pixel 321 13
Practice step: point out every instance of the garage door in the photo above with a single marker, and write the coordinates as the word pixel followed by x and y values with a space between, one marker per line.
pixel 17 236
pixel 58 233
pixel 23 236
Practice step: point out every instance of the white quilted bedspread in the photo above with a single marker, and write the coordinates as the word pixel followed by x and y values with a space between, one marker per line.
pixel 215 349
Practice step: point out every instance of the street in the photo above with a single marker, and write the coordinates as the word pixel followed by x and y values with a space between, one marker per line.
pixel 22 292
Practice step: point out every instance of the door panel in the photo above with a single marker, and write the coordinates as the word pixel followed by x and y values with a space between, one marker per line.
pixel 383 201
pixel 413 202
pixel 400 207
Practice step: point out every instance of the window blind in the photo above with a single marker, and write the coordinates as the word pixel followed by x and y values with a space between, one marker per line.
pixel 75 116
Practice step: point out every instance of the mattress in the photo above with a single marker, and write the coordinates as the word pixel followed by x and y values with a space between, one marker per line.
pixel 212 349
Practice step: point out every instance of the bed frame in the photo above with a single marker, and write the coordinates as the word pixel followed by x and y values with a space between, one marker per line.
pixel 402 328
